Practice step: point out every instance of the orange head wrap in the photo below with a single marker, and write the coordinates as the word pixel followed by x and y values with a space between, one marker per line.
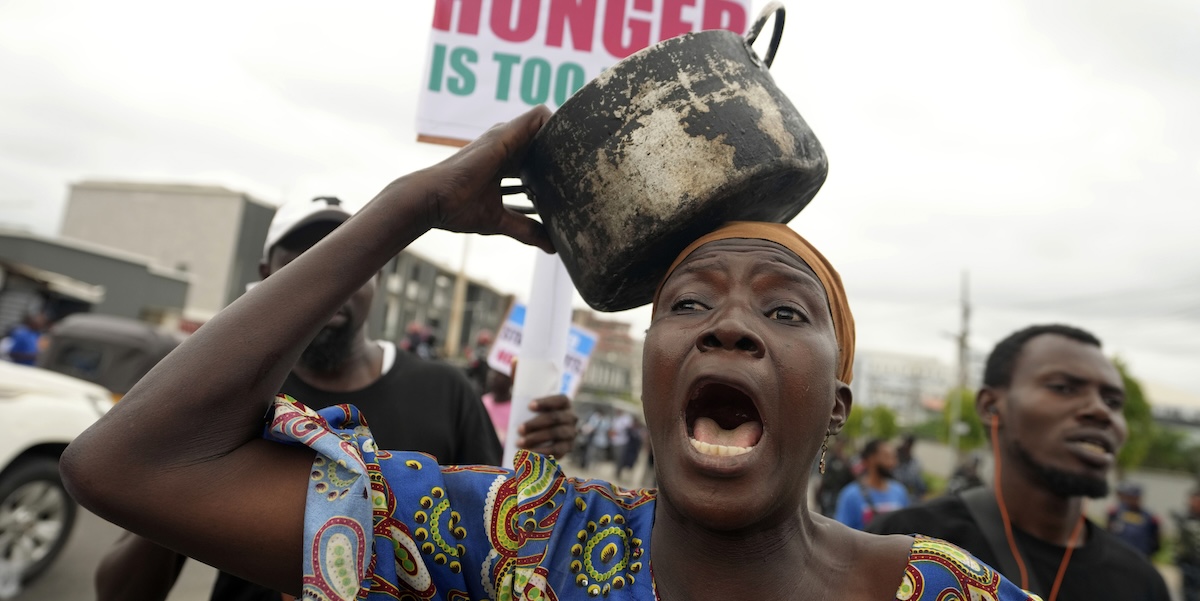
pixel 839 308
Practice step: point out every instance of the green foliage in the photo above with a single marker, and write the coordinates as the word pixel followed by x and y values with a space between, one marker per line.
pixel 872 422
pixel 974 436
pixel 1150 444
pixel 1170 449
pixel 1166 553
pixel 930 429
pixel 854 423
pixel 883 423
pixel 1142 429
pixel 935 485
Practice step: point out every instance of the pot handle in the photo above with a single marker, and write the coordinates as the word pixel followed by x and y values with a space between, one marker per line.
pixel 512 190
pixel 776 9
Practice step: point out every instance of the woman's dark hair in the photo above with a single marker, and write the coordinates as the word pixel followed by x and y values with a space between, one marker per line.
pixel 998 371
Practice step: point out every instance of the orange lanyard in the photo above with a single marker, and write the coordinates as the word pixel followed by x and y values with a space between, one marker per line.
pixel 1062 567
pixel 1012 543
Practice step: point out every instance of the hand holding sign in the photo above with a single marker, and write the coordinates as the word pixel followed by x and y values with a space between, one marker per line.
pixel 552 429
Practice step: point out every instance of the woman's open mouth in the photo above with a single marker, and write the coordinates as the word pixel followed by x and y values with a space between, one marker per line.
pixel 722 421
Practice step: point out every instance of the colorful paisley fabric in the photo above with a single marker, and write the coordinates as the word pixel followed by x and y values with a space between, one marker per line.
pixel 381 525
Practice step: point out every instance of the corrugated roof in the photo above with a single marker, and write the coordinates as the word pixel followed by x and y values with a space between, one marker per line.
pixel 99 249
pixel 58 283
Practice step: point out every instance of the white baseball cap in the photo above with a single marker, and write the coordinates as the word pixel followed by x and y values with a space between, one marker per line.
pixel 297 214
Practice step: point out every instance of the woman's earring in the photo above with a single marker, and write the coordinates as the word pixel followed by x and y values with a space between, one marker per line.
pixel 824 448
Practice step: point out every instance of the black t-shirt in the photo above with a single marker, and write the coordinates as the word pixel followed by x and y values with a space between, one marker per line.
pixel 1103 568
pixel 418 405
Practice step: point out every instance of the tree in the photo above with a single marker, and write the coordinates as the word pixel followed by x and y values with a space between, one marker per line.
pixel 972 437
pixel 1142 429
pixel 883 423
pixel 873 422
pixel 854 423
pixel 1168 449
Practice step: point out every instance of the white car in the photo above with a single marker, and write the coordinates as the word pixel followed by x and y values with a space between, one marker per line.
pixel 40 413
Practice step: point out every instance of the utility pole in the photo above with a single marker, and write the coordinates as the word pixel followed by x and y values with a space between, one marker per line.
pixel 963 359
pixel 454 331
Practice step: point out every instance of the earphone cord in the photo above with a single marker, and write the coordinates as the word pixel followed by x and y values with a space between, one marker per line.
pixel 1012 543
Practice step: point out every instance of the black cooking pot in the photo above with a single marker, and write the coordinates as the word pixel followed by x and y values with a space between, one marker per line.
pixel 662 148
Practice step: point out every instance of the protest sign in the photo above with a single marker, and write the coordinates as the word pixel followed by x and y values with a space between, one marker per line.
pixel 490 60
pixel 580 343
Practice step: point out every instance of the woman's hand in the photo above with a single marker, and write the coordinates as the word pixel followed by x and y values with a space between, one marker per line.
pixel 464 190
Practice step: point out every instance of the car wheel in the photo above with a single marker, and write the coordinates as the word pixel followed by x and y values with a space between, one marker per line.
pixel 36 515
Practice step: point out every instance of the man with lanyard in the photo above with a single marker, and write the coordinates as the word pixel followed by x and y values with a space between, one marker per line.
pixel 1053 403
pixel 875 492
pixel 412 403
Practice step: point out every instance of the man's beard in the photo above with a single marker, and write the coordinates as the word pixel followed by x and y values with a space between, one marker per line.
pixel 1062 482
pixel 883 472
pixel 329 350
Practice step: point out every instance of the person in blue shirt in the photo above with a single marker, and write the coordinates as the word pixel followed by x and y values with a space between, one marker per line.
pixel 1132 523
pixel 875 491
pixel 25 340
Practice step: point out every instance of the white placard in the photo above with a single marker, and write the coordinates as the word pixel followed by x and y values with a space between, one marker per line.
pixel 490 60
pixel 507 347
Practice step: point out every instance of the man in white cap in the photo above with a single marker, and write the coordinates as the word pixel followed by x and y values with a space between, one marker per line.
pixel 411 403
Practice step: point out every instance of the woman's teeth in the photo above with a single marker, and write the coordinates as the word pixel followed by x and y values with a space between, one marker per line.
pixel 1093 447
pixel 718 450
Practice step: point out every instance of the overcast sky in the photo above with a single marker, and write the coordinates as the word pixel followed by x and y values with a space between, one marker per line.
pixel 1051 149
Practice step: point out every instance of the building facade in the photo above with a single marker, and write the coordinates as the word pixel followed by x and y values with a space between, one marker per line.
pixel 615 363
pixel 906 384
pixel 213 233
pixel 416 290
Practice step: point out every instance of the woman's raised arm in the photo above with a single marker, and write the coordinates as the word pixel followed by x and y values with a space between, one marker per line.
pixel 180 459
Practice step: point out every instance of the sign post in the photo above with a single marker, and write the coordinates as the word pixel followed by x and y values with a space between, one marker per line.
pixel 545 336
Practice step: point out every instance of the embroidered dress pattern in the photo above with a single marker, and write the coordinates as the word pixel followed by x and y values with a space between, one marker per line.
pixel 504 534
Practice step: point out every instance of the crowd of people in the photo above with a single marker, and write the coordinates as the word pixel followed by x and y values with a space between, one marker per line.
pixel 609 436
pixel 752 419
pixel 340 491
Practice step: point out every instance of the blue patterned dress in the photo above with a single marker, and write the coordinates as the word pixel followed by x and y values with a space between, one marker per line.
pixel 460 533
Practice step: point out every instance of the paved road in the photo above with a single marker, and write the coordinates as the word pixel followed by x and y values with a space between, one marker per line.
pixel 70 578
